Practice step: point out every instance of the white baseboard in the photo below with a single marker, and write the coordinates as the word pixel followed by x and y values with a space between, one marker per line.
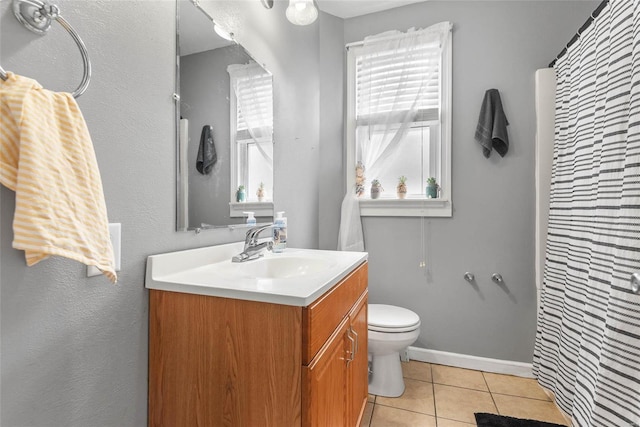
pixel 485 364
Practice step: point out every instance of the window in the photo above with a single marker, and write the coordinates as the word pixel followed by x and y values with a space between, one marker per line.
pixel 399 119
pixel 251 107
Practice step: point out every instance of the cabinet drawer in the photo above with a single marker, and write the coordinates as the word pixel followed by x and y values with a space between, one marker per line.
pixel 321 318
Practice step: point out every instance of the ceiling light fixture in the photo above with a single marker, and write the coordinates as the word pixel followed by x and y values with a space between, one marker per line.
pixel 301 12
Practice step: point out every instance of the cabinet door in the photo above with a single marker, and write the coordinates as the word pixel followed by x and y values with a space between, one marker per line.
pixel 223 362
pixel 325 382
pixel 359 367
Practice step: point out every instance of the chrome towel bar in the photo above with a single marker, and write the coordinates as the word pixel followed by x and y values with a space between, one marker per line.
pixel 36 16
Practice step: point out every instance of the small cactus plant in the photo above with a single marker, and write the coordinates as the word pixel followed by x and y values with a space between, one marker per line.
pixel 432 188
pixel 241 195
pixel 402 187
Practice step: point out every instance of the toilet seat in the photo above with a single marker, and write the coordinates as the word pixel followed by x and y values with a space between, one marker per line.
pixel 391 319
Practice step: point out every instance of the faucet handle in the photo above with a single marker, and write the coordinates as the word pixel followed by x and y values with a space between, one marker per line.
pixel 253 232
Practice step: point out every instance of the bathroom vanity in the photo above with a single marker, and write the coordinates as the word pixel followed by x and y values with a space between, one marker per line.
pixel 280 341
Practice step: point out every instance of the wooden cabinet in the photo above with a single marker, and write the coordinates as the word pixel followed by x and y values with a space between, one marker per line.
pixel 228 362
pixel 335 383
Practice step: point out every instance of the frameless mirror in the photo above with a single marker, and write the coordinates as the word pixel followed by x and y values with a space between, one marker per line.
pixel 224 114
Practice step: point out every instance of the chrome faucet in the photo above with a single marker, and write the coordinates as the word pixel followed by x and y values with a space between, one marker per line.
pixel 253 249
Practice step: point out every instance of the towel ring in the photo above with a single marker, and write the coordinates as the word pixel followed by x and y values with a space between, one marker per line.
pixel 36 16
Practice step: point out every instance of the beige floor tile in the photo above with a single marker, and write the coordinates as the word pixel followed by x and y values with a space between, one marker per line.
pixel 385 416
pixel 417 397
pixel 520 407
pixel 443 422
pixel 371 398
pixel 366 417
pixel 515 386
pixel 458 377
pixel 416 370
pixel 459 404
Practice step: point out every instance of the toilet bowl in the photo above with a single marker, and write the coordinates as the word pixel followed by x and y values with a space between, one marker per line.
pixel 391 329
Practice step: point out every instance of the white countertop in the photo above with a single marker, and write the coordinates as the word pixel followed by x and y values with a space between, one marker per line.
pixel 202 271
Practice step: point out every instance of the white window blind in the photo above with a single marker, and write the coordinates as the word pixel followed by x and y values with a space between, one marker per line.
pixel 389 80
pixel 254 100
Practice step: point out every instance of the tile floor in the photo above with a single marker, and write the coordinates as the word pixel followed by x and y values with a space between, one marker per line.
pixel 442 396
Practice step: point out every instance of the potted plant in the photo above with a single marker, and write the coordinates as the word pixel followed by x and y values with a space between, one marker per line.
pixel 241 194
pixel 376 189
pixel 261 193
pixel 432 188
pixel 401 190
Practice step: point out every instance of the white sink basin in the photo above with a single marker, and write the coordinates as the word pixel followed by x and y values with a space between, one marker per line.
pixel 273 267
pixel 294 277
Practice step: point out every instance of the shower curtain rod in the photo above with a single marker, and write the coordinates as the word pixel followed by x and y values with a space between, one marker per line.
pixel 575 37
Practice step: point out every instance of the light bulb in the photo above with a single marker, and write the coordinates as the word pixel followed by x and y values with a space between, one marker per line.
pixel 301 12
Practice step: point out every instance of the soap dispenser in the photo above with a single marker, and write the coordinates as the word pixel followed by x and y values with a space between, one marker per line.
pixel 279 233
pixel 251 220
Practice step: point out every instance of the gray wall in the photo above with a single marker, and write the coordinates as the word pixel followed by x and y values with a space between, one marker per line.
pixel 332 86
pixel 495 45
pixel 74 350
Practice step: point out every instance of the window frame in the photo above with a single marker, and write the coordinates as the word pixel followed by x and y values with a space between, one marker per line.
pixel 237 209
pixel 408 207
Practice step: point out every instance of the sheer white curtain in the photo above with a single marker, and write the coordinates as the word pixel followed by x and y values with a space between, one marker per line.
pixel 253 88
pixel 397 84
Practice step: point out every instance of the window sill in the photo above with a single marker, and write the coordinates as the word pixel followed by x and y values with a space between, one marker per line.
pixel 406 207
pixel 236 209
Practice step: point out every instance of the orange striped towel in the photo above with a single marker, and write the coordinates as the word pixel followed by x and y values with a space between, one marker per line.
pixel 47 158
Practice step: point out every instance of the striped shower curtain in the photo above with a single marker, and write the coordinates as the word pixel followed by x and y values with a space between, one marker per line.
pixel 587 348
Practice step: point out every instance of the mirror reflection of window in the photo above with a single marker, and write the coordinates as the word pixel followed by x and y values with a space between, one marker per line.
pixel 251 130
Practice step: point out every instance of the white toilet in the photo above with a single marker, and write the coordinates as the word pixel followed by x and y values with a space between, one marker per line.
pixel 391 329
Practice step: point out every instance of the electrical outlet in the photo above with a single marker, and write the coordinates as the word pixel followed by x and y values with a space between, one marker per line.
pixel 114 234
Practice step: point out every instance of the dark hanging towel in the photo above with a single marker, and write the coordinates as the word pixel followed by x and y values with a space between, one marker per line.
pixel 491 131
pixel 207 156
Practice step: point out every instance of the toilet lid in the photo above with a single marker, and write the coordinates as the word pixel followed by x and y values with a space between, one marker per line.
pixel 389 318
